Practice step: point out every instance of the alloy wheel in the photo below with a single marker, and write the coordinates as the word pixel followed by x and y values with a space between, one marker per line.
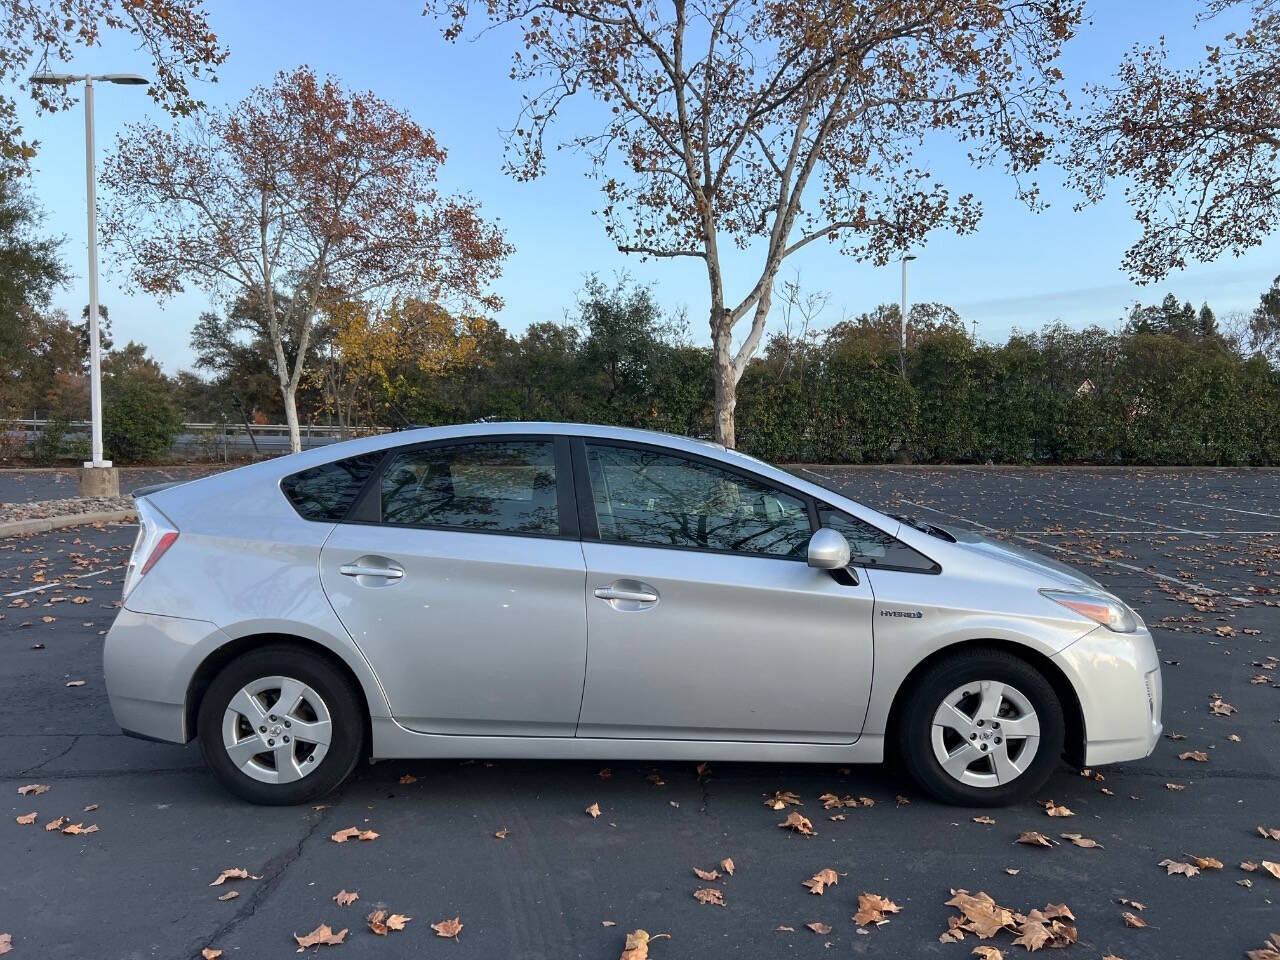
pixel 985 733
pixel 276 729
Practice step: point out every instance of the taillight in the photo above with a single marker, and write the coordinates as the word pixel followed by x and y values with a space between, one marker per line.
pixel 156 534
pixel 157 551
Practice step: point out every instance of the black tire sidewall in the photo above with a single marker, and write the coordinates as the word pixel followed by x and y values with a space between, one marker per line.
pixel 333 687
pixel 915 730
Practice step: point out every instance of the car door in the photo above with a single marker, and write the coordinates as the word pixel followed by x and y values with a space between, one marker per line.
pixel 704 621
pixel 461 580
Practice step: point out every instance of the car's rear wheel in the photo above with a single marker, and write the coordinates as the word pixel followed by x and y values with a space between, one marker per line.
pixel 981 728
pixel 280 725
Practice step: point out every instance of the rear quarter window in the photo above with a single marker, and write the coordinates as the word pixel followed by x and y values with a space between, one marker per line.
pixel 327 492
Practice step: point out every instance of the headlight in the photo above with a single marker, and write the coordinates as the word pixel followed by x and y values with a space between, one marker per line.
pixel 1098 607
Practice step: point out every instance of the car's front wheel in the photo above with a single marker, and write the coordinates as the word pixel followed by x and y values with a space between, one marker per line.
pixel 280 725
pixel 981 728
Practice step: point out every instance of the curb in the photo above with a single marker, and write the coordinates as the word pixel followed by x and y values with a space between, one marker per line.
pixel 17 528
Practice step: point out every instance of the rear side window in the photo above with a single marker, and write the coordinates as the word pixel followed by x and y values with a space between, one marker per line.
pixel 328 491
pixel 507 486
pixel 871 547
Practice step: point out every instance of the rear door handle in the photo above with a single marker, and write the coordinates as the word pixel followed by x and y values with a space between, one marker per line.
pixel 359 570
pixel 621 593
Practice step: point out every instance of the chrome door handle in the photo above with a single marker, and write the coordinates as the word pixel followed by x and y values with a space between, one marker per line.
pixel 618 593
pixel 357 570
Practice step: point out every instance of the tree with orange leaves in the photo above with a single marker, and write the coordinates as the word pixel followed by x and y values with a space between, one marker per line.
pixel 38 34
pixel 770 125
pixel 306 185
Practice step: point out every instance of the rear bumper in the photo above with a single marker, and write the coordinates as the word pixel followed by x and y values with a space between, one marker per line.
pixel 148 661
pixel 1117 680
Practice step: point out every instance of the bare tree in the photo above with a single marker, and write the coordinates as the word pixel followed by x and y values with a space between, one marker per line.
pixel 769 126
pixel 302 184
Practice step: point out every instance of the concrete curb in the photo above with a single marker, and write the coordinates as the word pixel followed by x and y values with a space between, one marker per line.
pixel 17 528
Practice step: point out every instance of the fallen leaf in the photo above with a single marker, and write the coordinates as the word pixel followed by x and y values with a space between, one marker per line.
pixel 33 789
pixel 1271 868
pixel 984 819
pixel 712 895
pixel 208 953
pixel 703 768
pixel 79 828
pixel 1034 839
pixel 55 824
pixel 872 909
pixel 502 834
pixel 233 873
pixel 821 880
pixel 987 953
pixel 1197 755
pixel 230 895
pixel 1271 833
pixel 1205 863
pixel 819 928
pixel 322 935
pixel 75 683
pixel 90 808
pixel 1012 871
pixel 727 866
pixel 407 779
pixel 449 929
pixel 607 923
pixel 982 915
pixel 707 875
pixel 1270 950
pixel 1123 901
pixel 27 818
pixel 799 823
pixel 6 942
pixel 1081 841
pixel 1053 810
pixel 780 799
pixel 345 898
pixel 1220 708
pixel 637 947
pixel 1175 786
pixel 380 922
pixel 784 929
pixel 350 833
pixel 1174 866
pixel 593 811
pixel 1132 920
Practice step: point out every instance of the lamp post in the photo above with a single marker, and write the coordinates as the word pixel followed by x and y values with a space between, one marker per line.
pixel 902 340
pixel 98 478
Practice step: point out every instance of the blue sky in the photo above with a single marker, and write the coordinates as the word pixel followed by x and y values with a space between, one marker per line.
pixel 1019 269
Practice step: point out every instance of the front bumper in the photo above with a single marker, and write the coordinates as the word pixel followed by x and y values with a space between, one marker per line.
pixel 148 661
pixel 1116 677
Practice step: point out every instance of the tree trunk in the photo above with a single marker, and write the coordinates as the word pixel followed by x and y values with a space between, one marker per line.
pixel 288 393
pixel 726 381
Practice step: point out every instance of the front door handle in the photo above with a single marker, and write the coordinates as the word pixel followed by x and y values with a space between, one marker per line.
pixel 614 592
pixel 360 570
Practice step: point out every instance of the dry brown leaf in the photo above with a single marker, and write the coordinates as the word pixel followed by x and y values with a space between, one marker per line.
pixel 984 819
pixel 449 929
pixel 353 833
pixel 27 818
pixel 322 935
pixel 55 824
pixel 230 895
pixel 1033 934
pixel 703 768
pixel 982 915
pixel 6 942
pixel 1126 902
pixel 380 922
pixel 502 834
pixel 1270 950
pixel 33 789
pixel 345 898
pixel 1205 863
pixel 637 946
pixel 784 929
pixel 820 928
pixel 799 823
pixel 1081 841
pixel 407 779
pixel 1271 868
pixel 872 909
pixel 75 683
pixel 1034 838
pixel 1271 833
pixel 1053 810
pixel 1220 708
pixel 1248 866
pixel 712 895
pixel 593 811
pixel 824 878
pixel 1175 786
pixel 1012 871
pixel 780 799
pixel 1132 920
pixel 727 866
pixel 1199 756
pixel 209 953
pixel 233 873
pixel 707 875
pixel 987 953
pixel 1175 866
pixel 75 829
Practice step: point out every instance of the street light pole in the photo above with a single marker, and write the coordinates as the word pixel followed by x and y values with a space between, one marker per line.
pixel 902 318
pixel 98 478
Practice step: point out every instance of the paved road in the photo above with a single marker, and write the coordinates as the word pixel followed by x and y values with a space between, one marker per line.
pixel 1178 545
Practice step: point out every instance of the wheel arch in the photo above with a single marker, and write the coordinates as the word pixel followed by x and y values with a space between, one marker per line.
pixel 224 654
pixel 1073 715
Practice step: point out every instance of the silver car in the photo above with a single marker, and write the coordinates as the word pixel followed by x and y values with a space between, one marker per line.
pixel 569 591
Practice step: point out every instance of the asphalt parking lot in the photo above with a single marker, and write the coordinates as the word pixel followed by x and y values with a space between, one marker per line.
pixel 1197 553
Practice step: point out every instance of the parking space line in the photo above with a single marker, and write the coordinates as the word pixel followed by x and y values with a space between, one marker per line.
pixel 1214 506
pixel 1189 584
pixel 58 583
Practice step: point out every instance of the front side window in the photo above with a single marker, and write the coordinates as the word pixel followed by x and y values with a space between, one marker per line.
pixel 507 486
pixel 870 546
pixel 645 497
pixel 327 492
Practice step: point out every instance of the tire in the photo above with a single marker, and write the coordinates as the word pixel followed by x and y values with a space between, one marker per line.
pixel 988 762
pixel 294 768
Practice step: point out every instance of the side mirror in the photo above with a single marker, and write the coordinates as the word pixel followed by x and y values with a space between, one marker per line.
pixel 828 550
